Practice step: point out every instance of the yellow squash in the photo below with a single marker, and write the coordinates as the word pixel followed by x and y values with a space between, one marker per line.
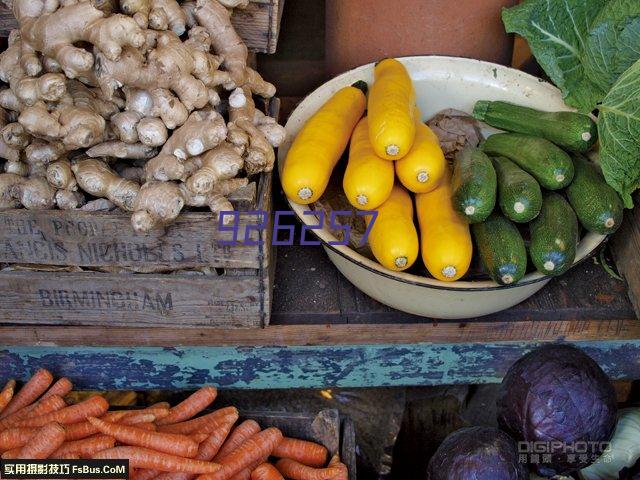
pixel 320 144
pixel 445 237
pixel 421 170
pixel 391 110
pixel 368 179
pixel 393 238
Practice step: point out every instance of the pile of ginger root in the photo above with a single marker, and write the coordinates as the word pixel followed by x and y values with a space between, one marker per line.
pixel 143 105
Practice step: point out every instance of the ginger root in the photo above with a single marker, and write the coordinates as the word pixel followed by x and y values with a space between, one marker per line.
pixel 220 163
pixel 94 81
pixel 60 175
pixel 259 155
pixel 202 131
pixel 114 148
pixel 97 179
pixel 158 204
pixel 33 193
pixel 56 34
pixel 69 200
pixel 213 16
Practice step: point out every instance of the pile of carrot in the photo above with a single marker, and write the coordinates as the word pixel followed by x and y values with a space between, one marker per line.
pixel 161 442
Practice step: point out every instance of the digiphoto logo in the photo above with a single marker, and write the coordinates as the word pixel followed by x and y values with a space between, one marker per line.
pixel 542 452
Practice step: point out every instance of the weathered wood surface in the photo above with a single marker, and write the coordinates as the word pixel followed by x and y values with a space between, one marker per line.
pixel 140 300
pixel 298 366
pixel 626 249
pixel 93 239
pixel 258 24
pixel 309 289
pixel 325 335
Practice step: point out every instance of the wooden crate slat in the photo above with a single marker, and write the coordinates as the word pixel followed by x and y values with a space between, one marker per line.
pixel 58 237
pixel 257 25
pixel 459 333
pixel 130 300
pixel 625 247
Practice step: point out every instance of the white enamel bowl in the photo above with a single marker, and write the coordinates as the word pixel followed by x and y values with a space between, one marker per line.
pixel 440 83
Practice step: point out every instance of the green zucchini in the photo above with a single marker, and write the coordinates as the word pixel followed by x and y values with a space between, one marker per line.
pixel 519 194
pixel 571 130
pixel 474 185
pixel 501 249
pixel 554 236
pixel 549 164
pixel 598 206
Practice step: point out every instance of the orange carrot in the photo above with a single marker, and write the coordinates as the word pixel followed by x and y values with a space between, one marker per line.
pixel 266 471
pixel 206 423
pixel 149 426
pixel 246 473
pixel 307 453
pixel 344 471
pixel 11 454
pixel 166 405
pixel 145 458
pixel 241 434
pixel 170 443
pixel 93 407
pixel 199 437
pixel 211 446
pixel 85 448
pixel 85 429
pixel 297 471
pixel 15 438
pixel 45 441
pixel 52 403
pixel 62 387
pixel 206 451
pixel 42 407
pixel 255 449
pixel 29 393
pixel 157 413
pixel 7 394
pixel 145 474
pixel 190 407
pixel 137 419
pixel 70 456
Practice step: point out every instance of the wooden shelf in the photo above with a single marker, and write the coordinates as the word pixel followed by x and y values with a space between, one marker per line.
pixel 318 337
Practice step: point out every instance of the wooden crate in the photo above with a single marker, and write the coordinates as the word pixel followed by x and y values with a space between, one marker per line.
pixel 236 291
pixel 258 24
pixel 91 268
pixel 326 428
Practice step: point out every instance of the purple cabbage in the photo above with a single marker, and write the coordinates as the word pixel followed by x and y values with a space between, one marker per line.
pixel 559 404
pixel 477 453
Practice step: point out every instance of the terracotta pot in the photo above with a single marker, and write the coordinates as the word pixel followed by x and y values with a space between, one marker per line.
pixel 363 31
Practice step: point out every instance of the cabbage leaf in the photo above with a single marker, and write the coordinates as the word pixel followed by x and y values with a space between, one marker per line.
pixel 619 133
pixel 557 32
pixel 613 44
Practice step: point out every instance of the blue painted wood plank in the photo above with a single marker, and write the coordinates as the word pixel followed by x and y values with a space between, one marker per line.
pixel 294 366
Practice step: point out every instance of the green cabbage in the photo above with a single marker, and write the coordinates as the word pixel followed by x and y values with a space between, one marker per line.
pixel 591 50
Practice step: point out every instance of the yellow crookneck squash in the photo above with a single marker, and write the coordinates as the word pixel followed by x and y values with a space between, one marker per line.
pixel 422 169
pixel 320 144
pixel 445 238
pixel 394 238
pixel 391 107
pixel 368 179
